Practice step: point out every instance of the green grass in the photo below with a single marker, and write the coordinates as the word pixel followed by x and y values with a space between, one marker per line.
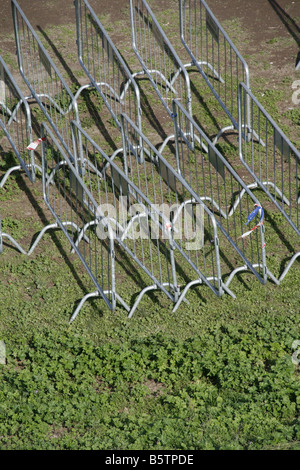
pixel 230 387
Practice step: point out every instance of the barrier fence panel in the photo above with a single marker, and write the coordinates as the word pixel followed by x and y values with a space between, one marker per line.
pixel 45 82
pixel 15 122
pixel 214 55
pixel 105 67
pixel 75 211
pixel 270 157
pixel 273 160
pixel 140 227
pixel 158 58
pixel 195 229
pixel 223 191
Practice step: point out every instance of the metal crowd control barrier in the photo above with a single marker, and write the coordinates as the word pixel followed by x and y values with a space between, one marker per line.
pixel 224 192
pixel 158 59
pixel 46 84
pixel 157 178
pixel 271 159
pixel 105 67
pixel 214 55
pixel 15 121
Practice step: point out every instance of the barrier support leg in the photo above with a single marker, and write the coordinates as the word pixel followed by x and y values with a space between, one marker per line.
pixel 96 294
pixel 45 229
pixel 143 292
pixel 292 260
pixel 245 268
pixel 194 283
pixel 13 241
pixel 15 168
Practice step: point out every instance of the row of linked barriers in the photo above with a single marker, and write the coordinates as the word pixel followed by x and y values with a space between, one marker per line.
pixel 174 214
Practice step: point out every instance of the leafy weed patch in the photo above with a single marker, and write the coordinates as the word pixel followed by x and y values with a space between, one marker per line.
pixel 230 388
